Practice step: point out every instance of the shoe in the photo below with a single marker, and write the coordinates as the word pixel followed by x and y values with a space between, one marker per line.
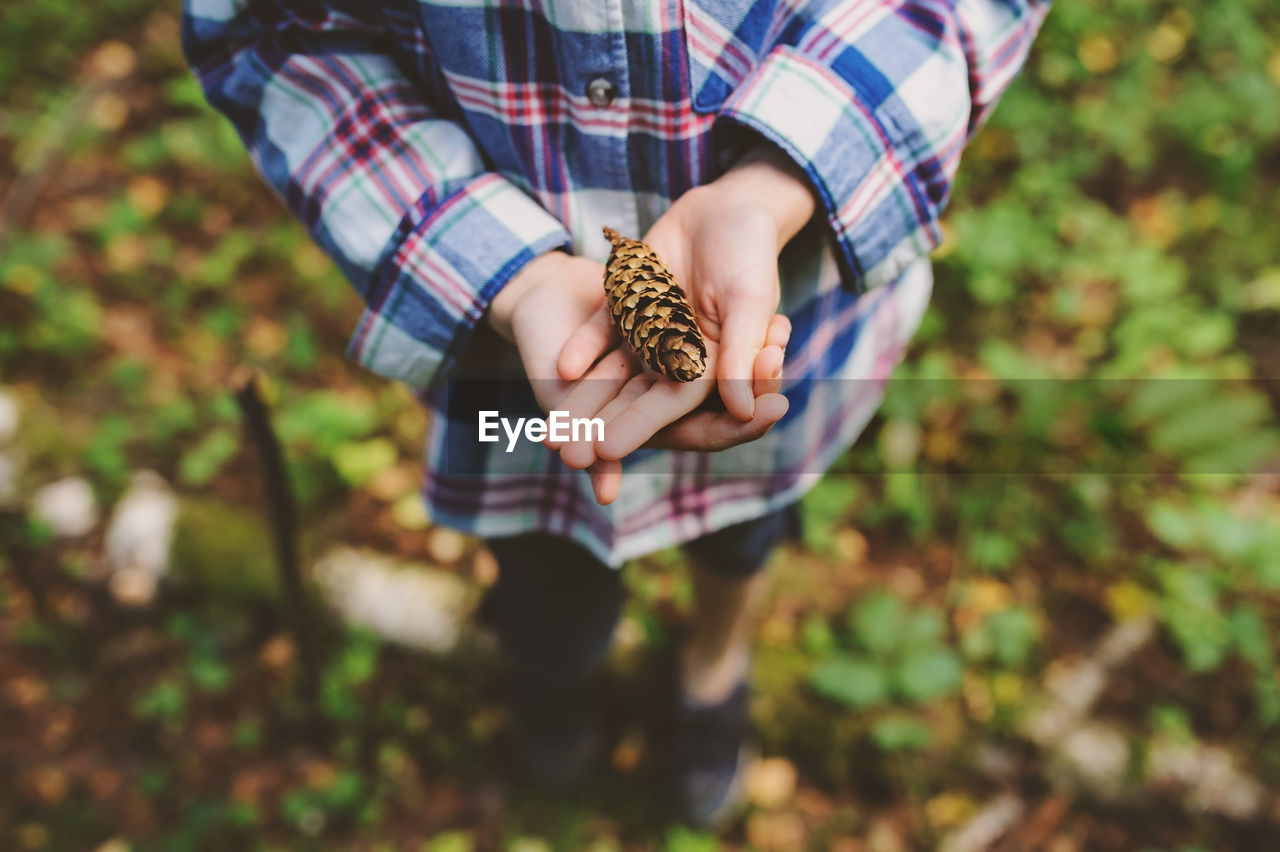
pixel 710 754
pixel 556 738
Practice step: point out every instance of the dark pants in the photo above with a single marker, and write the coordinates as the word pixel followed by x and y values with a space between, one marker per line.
pixel 555 605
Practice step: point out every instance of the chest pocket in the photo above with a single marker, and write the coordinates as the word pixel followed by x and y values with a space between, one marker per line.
pixel 724 40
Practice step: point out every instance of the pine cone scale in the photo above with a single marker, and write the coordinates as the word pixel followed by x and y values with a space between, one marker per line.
pixel 651 312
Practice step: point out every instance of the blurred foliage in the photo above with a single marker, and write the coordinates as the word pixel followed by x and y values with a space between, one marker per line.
pixel 1083 436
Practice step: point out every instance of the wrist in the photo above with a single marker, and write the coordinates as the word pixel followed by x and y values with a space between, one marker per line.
pixel 503 306
pixel 767 178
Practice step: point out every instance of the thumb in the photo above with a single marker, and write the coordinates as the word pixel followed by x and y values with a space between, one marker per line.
pixel 588 343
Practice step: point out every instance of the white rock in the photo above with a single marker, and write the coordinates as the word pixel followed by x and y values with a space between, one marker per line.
pixel 9 416
pixel 1124 640
pixel 67 506
pixel 1072 688
pixel 408 604
pixel 1096 755
pixel 1071 691
pixel 133 586
pixel 1208 775
pixel 140 533
pixel 986 827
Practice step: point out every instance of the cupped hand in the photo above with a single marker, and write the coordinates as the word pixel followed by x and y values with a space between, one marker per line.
pixel 554 296
pixel 721 241
pixel 539 310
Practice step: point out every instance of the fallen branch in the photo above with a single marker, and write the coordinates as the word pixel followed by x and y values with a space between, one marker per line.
pixel 282 518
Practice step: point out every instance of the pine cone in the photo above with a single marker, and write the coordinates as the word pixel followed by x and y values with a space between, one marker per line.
pixel 651 312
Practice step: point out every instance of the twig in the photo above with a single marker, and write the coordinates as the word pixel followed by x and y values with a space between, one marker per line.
pixel 282 517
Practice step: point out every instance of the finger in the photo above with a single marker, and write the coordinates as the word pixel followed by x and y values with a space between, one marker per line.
pixel 606 481
pixel 663 403
pixel 636 388
pixel 587 344
pixel 708 431
pixel 581 454
pixel 741 337
pixel 596 388
pixel 767 373
pixel 779 333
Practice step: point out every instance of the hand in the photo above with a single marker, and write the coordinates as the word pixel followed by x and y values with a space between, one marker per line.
pixel 539 309
pixel 721 241
pixel 699 430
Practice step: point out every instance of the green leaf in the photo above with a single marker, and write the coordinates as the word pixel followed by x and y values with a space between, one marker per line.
pixel 922 675
pixel 923 628
pixel 1014 635
pixel 1175 525
pixel 209 673
pixel 816 636
pixel 200 464
pixel 1249 633
pixel 851 681
pixel 877 622
pixel 681 839
pixel 1218 422
pixel 165 701
pixel 1190 611
pixel 451 841
pixel 324 419
pixel 896 733
pixel 823 508
pixel 359 461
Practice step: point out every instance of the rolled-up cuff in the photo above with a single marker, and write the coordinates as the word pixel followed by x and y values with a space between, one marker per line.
pixel 441 270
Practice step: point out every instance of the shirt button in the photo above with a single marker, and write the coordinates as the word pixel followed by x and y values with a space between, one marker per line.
pixel 600 92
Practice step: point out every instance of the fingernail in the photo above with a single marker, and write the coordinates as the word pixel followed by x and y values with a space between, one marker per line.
pixel 777 372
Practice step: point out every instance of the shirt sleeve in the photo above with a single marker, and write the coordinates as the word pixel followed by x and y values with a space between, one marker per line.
pixel 875 100
pixel 392 189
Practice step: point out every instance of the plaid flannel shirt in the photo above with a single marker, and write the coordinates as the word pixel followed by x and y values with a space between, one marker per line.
pixel 434 148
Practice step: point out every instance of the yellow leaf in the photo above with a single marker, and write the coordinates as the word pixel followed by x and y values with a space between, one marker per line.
pixel 1158 218
pixel 310 262
pixel 771 782
pixel 1007 688
pixel 23 278
pixel 125 253
pixel 948 809
pixel 1166 42
pixel 108 112
pixel 409 512
pixel 978 699
pixel 1127 601
pixel 264 339
pixel 320 775
pixel 113 60
pixel 147 195
pixel 942 446
pixel 1097 54
pixel 988 595
pixel 900 443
